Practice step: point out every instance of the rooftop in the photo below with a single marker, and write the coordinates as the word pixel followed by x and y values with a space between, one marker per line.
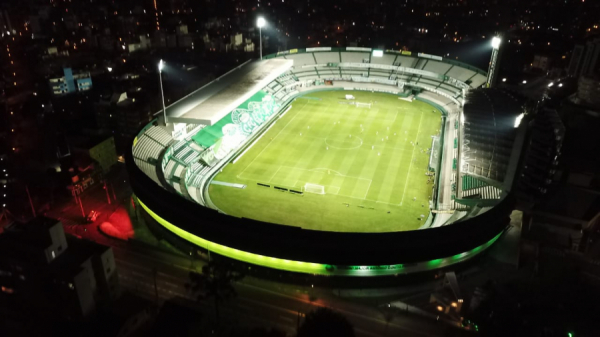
pixel 215 100
pixel 34 234
pixel 69 263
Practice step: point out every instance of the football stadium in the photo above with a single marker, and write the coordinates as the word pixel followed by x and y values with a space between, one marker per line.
pixel 335 161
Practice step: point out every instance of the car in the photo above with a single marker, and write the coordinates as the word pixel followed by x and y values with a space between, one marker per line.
pixel 93 216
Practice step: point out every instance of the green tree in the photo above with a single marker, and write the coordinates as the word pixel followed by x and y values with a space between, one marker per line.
pixel 215 281
pixel 325 322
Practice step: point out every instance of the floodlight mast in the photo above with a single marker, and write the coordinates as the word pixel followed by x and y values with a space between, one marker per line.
pixel 161 64
pixel 260 23
pixel 492 73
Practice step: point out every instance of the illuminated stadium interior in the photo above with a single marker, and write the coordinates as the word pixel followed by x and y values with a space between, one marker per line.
pixel 343 145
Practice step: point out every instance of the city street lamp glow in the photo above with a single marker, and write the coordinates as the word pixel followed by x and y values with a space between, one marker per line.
pixel 496 42
pixel 261 22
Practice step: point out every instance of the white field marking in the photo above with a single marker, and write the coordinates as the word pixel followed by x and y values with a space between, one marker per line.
pixel 254 142
pixel 390 147
pixel 274 174
pixel 368 188
pixel 395 116
pixel 341 148
pixel 326 169
pixel 383 202
pixel 283 184
pixel 364 198
pixel 306 136
pixel 375 201
pixel 288 123
pixel 411 158
pixel 341 175
pixel 336 191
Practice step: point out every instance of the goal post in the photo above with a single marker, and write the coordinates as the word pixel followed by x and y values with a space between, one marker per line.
pixel 314 188
pixel 363 105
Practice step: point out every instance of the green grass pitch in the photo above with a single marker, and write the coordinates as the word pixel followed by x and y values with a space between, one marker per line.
pixel 363 157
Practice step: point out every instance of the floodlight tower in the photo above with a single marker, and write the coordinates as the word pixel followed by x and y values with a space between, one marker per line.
pixel 161 64
pixel 492 71
pixel 260 23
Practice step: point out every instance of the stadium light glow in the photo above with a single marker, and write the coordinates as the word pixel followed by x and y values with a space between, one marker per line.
pixel 161 65
pixel 377 53
pixel 496 42
pixel 518 120
pixel 261 22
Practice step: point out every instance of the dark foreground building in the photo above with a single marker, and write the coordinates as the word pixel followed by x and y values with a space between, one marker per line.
pixel 46 276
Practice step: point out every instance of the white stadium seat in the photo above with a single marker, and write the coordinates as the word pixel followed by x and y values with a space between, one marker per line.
pixel 354 57
pixel 327 57
pixel 301 59
pixel 437 67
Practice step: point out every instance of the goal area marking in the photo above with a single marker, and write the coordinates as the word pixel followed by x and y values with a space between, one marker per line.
pixel 314 188
pixel 363 105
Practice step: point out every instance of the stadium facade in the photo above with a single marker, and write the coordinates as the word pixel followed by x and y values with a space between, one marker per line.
pixel 172 164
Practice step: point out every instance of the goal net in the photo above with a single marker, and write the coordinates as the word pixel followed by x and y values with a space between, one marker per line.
pixel 363 105
pixel 313 188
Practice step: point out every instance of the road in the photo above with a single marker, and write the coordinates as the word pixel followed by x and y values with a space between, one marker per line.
pixel 259 302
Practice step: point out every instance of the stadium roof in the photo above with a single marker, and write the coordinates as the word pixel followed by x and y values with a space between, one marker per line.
pixel 489 132
pixel 215 100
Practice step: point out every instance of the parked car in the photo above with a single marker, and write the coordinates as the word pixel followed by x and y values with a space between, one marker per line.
pixel 93 216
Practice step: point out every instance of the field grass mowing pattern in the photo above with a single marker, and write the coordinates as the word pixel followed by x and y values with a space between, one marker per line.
pixel 365 159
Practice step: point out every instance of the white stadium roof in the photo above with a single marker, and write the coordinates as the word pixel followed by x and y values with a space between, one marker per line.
pixel 215 100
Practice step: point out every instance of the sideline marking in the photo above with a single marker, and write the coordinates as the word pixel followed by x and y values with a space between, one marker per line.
pixel 270 142
pixel 411 158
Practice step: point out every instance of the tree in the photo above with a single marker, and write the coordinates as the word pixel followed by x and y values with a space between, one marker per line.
pixel 325 322
pixel 215 281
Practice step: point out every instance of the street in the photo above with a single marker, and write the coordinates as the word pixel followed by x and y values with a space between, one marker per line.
pixel 260 302
pixel 152 273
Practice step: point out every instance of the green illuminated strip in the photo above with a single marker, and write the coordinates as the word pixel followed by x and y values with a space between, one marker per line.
pixel 315 268
pixel 271 262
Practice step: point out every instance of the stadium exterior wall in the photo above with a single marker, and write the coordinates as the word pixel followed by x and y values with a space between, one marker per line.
pixel 317 252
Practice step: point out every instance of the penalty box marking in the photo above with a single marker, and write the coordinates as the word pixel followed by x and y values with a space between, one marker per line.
pixel 270 142
pixel 290 176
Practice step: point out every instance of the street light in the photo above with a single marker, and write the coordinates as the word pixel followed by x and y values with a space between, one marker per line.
pixel 161 64
pixel 260 23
